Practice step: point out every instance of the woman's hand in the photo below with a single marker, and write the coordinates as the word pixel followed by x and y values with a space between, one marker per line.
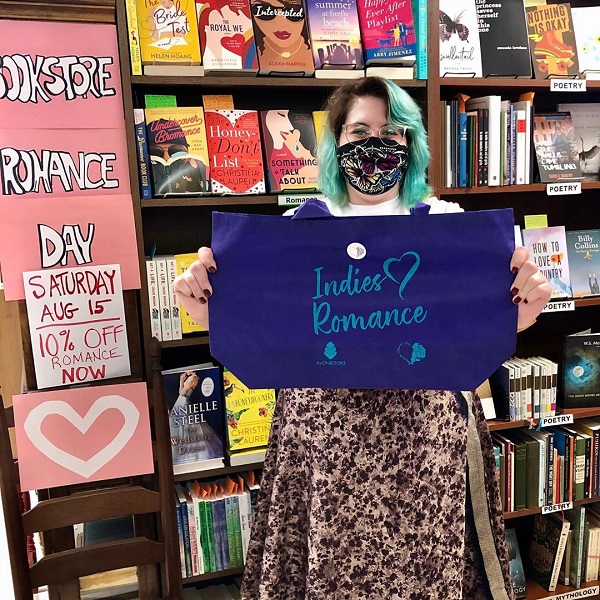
pixel 530 289
pixel 193 288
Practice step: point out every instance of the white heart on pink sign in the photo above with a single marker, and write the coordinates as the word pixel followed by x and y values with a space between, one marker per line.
pixel 85 468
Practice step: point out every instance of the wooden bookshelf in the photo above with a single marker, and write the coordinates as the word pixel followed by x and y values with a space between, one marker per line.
pixel 217 473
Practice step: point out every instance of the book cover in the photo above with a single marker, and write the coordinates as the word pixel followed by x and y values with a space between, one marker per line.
pixel 552 40
pixel 581 371
pixel 282 38
pixel 168 32
pixel 319 121
pixel 460 48
pixel 173 303
pixel 503 37
pixel 548 249
pixel 586 122
pixel 236 164
pixel 547 548
pixel 153 299
pixel 586 23
pixel 164 298
pixel 335 34
pixel 249 413
pixel 555 147
pixel 517 573
pixel 178 150
pixel 388 32
pixel 135 54
pixel 289 143
pixel 194 399
pixel 583 250
pixel 141 146
pixel 183 262
pixel 226 36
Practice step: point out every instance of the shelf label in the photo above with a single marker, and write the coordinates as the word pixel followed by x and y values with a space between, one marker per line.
pixel 575 594
pixel 563 189
pixel 551 508
pixel 297 199
pixel 563 306
pixel 557 420
pixel 568 85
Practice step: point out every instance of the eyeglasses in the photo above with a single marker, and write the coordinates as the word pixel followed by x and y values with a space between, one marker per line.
pixel 264 11
pixel 390 135
pixel 171 150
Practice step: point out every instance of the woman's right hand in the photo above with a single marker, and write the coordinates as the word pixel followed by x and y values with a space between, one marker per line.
pixel 193 288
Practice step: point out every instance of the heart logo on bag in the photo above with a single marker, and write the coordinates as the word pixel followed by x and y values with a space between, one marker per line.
pixel 234 43
pixel 84 468
pixel 402 278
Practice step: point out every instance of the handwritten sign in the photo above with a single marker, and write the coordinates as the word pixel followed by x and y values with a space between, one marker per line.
pixel 90 434
pixel 77 324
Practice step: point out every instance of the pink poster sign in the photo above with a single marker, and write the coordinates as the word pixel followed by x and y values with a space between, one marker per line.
pixel 73 436
pixel 70 161
pixel 59 76
pixel 66 231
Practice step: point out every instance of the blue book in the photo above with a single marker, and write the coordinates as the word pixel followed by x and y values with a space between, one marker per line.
pixel 141 145
pixel 462 149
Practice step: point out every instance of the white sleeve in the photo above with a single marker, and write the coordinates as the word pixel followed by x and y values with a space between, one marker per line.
pixel 440 207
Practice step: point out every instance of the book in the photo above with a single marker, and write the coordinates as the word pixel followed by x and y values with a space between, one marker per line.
pixel 194 399
pixel 135 54
pixel 164 298
pixel 576 516
pixel 517 573
pixel 153 300
pixel 286 50
pixel 460 48
pixel 335 36
pixel 183 262
pixel 289 143
pixel 168 32
pixel 173 302
pixel 581 370
pixel 141 146
pixel 234 149
pixel 583 250
pixel 421 27
pixel 491 104
pixel 586 119
pixel 249 413
pixel 503 38
pixel 586 24
pixel 226 37
pixel 178 150
pixel 555 147
pixel 388 32
pixel 548 250
pixel 246 457
pixel 552 40
pixel 548 544
pixel 319 121
pixel 217 102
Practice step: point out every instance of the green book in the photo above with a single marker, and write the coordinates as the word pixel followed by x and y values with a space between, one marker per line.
pixel 532 469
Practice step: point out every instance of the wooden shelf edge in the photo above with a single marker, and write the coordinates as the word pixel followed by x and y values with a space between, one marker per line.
pixel 215 201
pixel 215 575
pixel 210 473
pixel 504 82
pixel 578 413
pixel 509 189
pixel 186 341
pixel 533 511
pixel 536 592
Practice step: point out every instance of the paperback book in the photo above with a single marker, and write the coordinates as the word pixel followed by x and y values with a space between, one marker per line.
pixel 517 573
pixel 583 249
pixel 552 40
pixel 227 37
pixel 236 165
pixel 168 32
pixel 548 249
pixel 290 150
pixel 182 263
pixel 555 147
pixel 586 23
pixel 582 370
pixel 388 32
pixel 460 48
pixel 194 399
pixel 178 150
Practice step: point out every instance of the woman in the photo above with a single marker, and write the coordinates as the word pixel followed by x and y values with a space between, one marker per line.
pixel 385 494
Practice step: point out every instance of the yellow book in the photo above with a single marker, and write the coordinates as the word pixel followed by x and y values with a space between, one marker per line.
pixel 168 32
pixel 135 55
pixel 182 262
pixel 319 119
pixel 249 413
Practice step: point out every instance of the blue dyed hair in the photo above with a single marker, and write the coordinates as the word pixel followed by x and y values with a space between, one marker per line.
pixel 402 110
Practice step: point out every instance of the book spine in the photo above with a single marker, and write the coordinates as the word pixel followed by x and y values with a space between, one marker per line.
pixel 462 149
pixel 550 463
pixel 210 537
pixel 185 524
pixel 222 527
pixel 141 144
pixel 199 532
pixel 174 304
pixel 579 468
pixel 245 521
pixel 233 563
pixel 560 550
pixel 237 529
pixel 164 299
pixel 153 300
pixel 217 536
pixel 135 55
pixel 422 33
pixel 180 535
pixel 193 538
pixel 520 476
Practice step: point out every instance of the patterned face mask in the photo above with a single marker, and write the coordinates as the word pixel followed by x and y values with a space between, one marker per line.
pixel 373 167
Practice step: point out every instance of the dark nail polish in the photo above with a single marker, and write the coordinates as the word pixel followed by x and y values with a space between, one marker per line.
pixel 514 270
pixel 514 291
pixel 212 270
pixel 202 300
pixel 207 293
pixel 525 301
pixel 517 299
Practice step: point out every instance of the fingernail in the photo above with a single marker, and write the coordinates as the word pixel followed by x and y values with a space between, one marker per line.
pixel 207 293
pixel 525 301
pixel 212 270
pixel 514 270
pixel 516 299
pixel 202 300
pixel 514 291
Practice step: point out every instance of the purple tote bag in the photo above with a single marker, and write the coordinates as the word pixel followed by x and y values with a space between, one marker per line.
pixel 400 302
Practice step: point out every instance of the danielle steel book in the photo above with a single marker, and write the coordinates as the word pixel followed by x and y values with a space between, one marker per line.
pixel 195 402
pixel 236 164
pixel 226 37
pixel 178 150
pixel 583 249
pixel 548 249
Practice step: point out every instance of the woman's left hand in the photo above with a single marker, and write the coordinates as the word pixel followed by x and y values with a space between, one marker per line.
pixel 530 289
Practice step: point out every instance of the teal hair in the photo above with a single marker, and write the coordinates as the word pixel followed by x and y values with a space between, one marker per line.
pixel 403 110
